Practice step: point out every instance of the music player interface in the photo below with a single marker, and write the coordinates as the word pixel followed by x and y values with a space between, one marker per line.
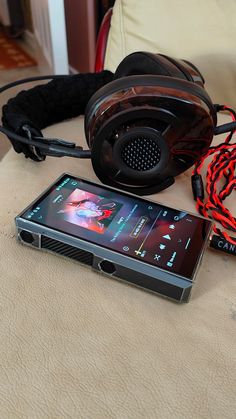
pixel 147 231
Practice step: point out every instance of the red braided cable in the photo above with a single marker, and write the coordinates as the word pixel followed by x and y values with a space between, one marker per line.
pixel 221 167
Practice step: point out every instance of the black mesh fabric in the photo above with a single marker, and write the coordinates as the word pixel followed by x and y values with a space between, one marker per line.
pixel 50 103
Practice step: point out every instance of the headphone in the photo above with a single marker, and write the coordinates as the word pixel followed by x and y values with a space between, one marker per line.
pixel 144 125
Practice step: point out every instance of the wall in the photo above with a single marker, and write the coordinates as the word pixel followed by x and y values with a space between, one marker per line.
pixel 4 14
pixel 27 15
pixel 41 23
pixel 81 33
pixel 50 31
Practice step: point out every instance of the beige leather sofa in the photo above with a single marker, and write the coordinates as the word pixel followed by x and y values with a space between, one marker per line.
pixel 76 344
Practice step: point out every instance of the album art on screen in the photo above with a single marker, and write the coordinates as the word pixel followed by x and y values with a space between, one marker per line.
pixel 89 211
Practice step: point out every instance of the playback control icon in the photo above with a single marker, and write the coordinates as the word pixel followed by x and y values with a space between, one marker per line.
pixel 140 253
pixel 171 261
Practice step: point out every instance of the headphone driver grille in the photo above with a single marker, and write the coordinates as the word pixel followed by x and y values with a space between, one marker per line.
pixel 141 153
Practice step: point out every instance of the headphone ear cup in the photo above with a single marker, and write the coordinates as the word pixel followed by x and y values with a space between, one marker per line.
pixel 137 143
pixel 139 63
pixel 144 64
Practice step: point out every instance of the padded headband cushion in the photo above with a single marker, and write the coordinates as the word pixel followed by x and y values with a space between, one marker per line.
pixel 139 63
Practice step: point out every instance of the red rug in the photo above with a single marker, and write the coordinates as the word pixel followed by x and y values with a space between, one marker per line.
pixel 12 55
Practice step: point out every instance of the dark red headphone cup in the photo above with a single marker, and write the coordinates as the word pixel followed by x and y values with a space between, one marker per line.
pixel 150 124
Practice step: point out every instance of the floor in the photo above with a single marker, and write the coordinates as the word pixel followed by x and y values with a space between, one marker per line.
pixel 7 76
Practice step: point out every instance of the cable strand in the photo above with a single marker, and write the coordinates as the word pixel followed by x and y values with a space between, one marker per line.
pixel 221 168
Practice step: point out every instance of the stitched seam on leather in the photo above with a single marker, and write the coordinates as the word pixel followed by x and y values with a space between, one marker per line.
pixel 122 30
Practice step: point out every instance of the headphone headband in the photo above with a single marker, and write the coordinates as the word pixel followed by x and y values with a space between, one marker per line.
pixel 63 98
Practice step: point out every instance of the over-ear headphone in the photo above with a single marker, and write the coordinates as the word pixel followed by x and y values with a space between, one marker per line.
pixel 148 123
